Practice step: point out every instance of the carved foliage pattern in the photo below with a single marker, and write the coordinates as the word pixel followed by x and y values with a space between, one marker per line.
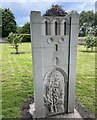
pixel 54 91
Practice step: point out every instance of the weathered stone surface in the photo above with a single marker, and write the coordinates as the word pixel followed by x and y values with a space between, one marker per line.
pixel 54 48
pixel 75 114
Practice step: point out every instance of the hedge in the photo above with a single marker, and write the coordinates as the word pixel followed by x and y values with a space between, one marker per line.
pixel 26 38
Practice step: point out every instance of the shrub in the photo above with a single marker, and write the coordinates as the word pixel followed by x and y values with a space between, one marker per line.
pixel 15 40
pixel 10 38
pixel 26 38
pixel 90 42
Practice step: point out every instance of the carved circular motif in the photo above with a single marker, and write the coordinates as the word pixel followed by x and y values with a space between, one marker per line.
pixel 50 40
pixel 61 40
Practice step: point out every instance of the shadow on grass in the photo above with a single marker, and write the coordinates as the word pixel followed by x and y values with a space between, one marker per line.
pixel 85 51
pixel 17 53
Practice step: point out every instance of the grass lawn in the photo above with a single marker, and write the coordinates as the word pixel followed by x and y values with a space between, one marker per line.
pixel 85 78
pixel 17 79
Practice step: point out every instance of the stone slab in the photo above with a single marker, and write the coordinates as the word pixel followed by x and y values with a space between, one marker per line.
pixel 70 115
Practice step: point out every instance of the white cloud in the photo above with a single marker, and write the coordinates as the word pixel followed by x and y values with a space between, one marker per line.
pixel 86 6
pixel 25 8
pixel 22 8
pixel 23 20
pixel 25 1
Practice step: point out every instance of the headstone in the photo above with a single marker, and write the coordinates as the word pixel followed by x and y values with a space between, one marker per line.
pixel 54 49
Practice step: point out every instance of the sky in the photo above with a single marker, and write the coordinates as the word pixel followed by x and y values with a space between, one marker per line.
pixel 22 8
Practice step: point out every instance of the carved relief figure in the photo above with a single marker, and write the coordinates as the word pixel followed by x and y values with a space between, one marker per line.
pixel 54 92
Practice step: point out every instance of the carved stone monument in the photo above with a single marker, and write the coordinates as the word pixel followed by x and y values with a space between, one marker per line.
pixel 54 48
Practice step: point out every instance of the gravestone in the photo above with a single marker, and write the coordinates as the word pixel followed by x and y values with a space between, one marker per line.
pixel 54 49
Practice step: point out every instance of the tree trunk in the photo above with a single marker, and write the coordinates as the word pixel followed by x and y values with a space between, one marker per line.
pixel 16 47
pixel 86 49
pixel 91 49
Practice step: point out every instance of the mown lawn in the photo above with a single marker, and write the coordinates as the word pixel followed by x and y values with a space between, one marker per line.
pixel 85 78
pixel 17 79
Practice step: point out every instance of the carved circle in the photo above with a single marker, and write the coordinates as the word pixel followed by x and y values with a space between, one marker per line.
pixel 50 40
pixel 61 40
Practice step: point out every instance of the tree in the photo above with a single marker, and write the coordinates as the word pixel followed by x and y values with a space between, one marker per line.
pixel 86 17
pixel 25 29
pixel 86 22
pixel 0 16
pixel 19 30
pixel 10 38
pixel 90 42
pixel 15 40
pixel 9 23
pixel 55 10
pixel 95 23
pixel 0 22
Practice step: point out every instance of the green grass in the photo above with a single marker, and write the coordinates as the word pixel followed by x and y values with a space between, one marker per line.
pixel 85 82
pixel 17 79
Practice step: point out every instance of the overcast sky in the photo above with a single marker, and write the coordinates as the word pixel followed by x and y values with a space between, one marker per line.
pixel 22 9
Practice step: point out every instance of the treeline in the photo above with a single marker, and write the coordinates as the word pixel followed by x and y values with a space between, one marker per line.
pixel 87 22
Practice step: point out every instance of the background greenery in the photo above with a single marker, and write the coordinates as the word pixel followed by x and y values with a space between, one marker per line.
pixel 8 22
pixel 17 78
pixel 17 75
pixel 87 21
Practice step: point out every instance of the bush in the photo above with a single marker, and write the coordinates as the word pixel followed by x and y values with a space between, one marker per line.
pixel 15 40
pixel 90 42
pixel 10 38
pixel 26 38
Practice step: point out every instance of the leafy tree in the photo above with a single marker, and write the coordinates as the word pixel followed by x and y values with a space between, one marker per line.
pixel 15 40
pixel 90 42
pixel 55 10
pixel 0 16
pixel 0 22
pixel 95 27
pixel 86 17
pixel 9 23
pixel 86 22
pixel 10 38
pixel 19 30
pixel 25 29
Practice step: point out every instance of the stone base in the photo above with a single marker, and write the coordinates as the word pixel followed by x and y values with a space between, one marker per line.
pixel 69 115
